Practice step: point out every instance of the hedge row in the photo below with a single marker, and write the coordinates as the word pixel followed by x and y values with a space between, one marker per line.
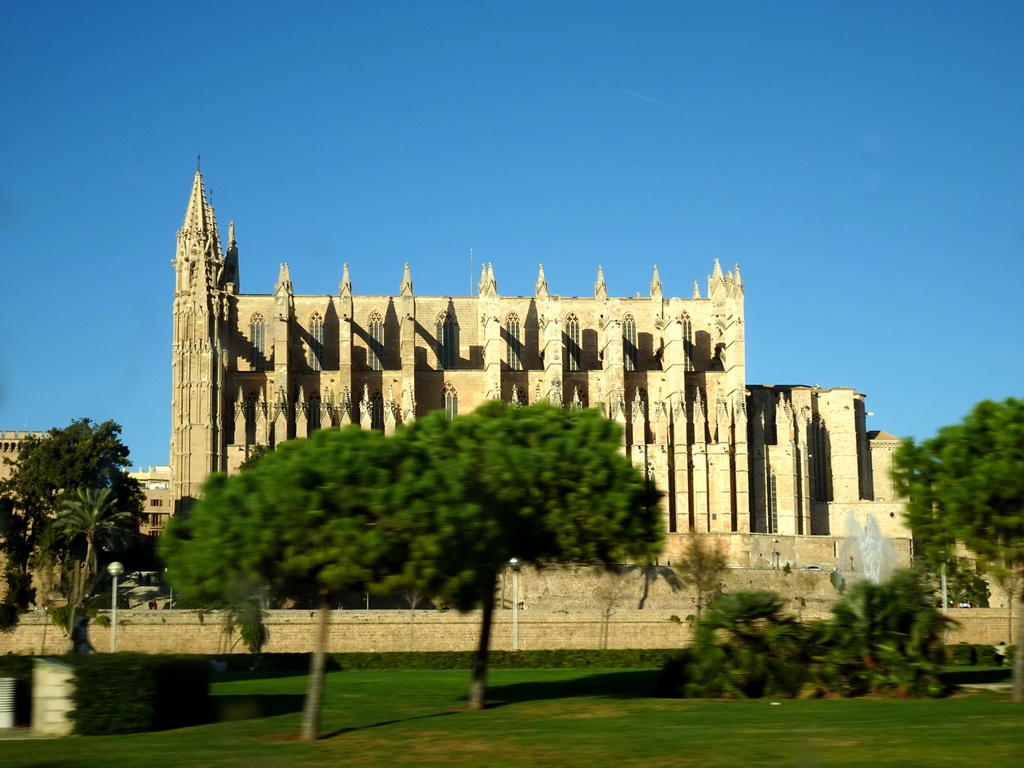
pixel 977 654
pixel 18 667
pixel 135 692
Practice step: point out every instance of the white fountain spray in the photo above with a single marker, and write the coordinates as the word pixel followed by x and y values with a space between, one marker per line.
pixel 874 554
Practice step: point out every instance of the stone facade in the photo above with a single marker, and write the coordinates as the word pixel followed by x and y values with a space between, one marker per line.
pixel 732 458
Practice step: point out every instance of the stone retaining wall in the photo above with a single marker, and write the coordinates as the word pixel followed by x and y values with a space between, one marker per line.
pixel 561 608
pixel 421 630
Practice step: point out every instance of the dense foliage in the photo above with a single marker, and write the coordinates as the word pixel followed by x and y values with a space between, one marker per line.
pixel 967 485
pixel 438 509
pixel 539 484
pixel 313 514
pixel 745 646
pixel 881 639
pixel 48 471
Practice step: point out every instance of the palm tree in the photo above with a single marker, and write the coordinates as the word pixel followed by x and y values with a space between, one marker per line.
pixel 92 513
pixel 885 637
pixel 746 646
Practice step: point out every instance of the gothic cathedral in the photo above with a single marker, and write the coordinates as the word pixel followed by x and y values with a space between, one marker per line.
pixel 731 457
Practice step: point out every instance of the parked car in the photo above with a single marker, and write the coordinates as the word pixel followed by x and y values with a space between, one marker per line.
pixel 811 568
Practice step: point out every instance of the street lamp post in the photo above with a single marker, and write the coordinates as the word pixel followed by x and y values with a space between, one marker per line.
pixel 515 565
pixel 115 569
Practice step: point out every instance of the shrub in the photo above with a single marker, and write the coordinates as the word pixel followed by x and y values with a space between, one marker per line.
pixel 763 653
pixel 673 678
pixel 961 654
pixel 9 616
pixel 985 655
pixel 134 692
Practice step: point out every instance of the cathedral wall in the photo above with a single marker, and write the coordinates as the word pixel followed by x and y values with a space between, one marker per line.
pixel 882 465
pixel 239 349
pixel 763 551
pixel 836 406
pixel 888 516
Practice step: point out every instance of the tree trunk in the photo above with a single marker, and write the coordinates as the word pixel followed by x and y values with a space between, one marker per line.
pixel 90 557
pixel 1018 654
pixel 478 685
pixel 315 687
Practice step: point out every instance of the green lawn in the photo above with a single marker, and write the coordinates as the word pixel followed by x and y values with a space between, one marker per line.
pixel 551 718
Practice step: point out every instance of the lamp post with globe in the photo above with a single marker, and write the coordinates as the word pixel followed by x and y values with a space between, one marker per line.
pixel 115 569
pixel 515 564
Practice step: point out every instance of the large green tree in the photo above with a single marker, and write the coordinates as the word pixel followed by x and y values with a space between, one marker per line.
pixel 48 470
pixel 540 484
pixel 967 484
pixel 313 515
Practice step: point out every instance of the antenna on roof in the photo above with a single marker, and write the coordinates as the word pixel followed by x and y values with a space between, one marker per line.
pixel 199 156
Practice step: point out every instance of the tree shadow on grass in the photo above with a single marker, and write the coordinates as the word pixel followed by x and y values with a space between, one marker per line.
pixel 626 684
pixel 958 677
pixel 382 723
pixel 254 706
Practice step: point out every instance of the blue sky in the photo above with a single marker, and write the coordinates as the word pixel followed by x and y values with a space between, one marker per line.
pixel 862 162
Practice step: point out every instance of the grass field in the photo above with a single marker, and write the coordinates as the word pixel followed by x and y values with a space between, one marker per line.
pixel 551 718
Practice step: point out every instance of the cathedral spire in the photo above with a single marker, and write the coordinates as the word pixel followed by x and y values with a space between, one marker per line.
pixel 405 289
pixel 345 286
pixel 198 218
pixel 198 262
pixel 696 290
pixel 600 289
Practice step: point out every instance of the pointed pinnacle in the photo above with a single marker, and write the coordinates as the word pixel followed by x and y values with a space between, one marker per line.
pixel 405 289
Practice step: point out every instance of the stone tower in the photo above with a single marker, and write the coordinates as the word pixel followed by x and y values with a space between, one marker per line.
pixel 205 279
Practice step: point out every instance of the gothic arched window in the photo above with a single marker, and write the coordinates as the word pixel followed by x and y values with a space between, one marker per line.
pixel 450 400
pixel 445 341
pixel 515 347
pixel 313 413
pixel 573 348
pixel 316 342
pixel 376 411
pixel 250 419
pixel 818 445
pixel 629 351
pixel 772 511
pixel 376 326
pixel 687 343
pixel 257 333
